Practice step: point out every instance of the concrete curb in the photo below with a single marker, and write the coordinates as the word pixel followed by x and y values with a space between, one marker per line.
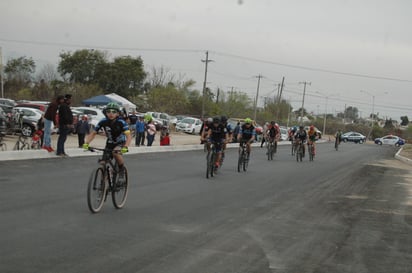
pixel 78 152
pixel 402 158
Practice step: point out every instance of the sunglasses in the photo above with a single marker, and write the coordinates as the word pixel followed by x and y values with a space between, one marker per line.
pixel 111 111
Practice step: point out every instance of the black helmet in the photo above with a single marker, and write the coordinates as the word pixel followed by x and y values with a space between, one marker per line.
pixel 223 119
pixel 216 120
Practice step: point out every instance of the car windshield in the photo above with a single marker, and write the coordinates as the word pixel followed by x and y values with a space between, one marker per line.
pixel 188 120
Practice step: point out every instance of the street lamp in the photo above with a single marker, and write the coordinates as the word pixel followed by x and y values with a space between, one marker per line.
pixel 373 105
pixel 326 109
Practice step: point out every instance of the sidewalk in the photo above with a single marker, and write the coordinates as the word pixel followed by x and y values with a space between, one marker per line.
pixel 179 142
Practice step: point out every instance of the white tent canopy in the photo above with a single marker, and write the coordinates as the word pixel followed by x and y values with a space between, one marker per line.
pixel 128 105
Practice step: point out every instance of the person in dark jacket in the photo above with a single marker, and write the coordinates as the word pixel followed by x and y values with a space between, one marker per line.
pixel 82 129
pixel 65 124
pixel 49 118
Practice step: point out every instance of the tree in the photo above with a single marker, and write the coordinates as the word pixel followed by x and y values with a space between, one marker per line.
pixel 124 76
pixel 18 74
pixel 167 99
pixel 404 121
pixel 83 66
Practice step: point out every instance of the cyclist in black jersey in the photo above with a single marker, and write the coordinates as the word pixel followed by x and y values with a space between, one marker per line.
pixel 301 136
pixel 117 133
pixel 217 134
pixel 247 134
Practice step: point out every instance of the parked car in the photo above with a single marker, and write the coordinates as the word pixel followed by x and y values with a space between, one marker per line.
pixel 8 102
pixel 158 117
pixel 390 140
pixel 189 125
pixel 353 137
pixel 94 114
pixel 284 134
pixel 3 122
pixel 28 117
pixel 39 106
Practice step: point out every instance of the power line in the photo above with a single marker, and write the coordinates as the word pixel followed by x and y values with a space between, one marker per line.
pixel 215 52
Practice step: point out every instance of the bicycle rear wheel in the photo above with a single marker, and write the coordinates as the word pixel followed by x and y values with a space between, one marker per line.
pixel 96 190
pixel 3 147
pixel 120 190
pixel 212 163
pixel 240 161
pixel 336 145
pixel 310 148
pixel 269 151
pixel 245 161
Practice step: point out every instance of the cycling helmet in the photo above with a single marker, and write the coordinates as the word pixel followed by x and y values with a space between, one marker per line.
pixel 216 120
pixel 294 128
pixel 223 119
pixel 210 120
pixel 112 105
pixel 301 127
pixel 312 127
pixel 248 121
pixel 272 123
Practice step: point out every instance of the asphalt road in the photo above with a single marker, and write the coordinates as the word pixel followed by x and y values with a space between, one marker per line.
pixel 348 211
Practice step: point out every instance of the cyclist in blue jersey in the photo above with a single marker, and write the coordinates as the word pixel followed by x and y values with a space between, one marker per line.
pixel 223 120
pixel 301 136
pixel 117 133
pixel 247 134
pixel 218 135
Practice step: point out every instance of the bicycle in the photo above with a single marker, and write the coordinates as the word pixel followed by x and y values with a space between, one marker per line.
pixel 21 144
pixel 311 151
pixel 337 142
pixel 299 151
pixel 3 145
pixel 243 160
pixel 211 160
pixel 104 180
pixel 271 149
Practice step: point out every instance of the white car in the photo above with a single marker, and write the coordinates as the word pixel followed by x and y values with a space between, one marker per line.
pixel 94 114
pixel 189 125
pixel 390 140
pixel 283 134
pixel 30 117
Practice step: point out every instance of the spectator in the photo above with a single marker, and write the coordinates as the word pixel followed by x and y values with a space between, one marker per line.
pixel 151 132
pixel 65 124
pixel 82 129
pixel 40 129
pixel 140 128
pixel 49 118
pixel 165 139
pixel 132 121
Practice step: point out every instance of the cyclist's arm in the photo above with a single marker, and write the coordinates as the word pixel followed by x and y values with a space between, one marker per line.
pixel 128 138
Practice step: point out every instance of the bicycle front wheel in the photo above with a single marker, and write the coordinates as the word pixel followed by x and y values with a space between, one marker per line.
pixel 96 190
pixel 120 190
pixel 245 161
pixel 208 166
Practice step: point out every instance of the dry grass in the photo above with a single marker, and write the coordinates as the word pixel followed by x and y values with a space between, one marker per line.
pixel 407 151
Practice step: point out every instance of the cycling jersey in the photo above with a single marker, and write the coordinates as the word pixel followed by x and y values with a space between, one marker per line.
pixel 217 134
pixel 312 135
pixel 115 130
pixel 247 133
pixel 301 135
pixel 273 132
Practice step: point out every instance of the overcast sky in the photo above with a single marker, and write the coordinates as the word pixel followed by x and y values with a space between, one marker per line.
pixel 340 46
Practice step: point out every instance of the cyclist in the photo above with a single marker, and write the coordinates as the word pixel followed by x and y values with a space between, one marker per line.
pixel 228 126
pixel 217 134
pixel 301 136
pixel 312 136
pixel 247 134
pixel 204 129
pixel 117 133
pixel 273 133
pixel 338 136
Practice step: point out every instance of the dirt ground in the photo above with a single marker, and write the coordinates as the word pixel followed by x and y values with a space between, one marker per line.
pixel 407 151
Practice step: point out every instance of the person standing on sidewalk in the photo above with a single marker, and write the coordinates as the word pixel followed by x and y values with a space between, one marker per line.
pixel 139 132
pixel 49 118
pixel 65 124
pixel 151 132
pixel 82 129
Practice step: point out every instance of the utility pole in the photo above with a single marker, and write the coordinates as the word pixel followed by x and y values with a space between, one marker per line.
pixel 303 100
pixel 279 98
pixel 204 83
pixel 257 95
pixel 1 73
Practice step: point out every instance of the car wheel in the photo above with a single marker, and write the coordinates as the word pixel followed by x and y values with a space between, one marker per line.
pixel 379 143
pixel 360 141
pixel 27 130
pixel 193 131
pixel 345 140
pixel 397 144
